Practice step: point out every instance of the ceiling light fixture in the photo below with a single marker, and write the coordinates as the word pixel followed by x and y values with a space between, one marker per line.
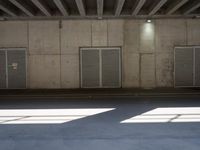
pixel 148 20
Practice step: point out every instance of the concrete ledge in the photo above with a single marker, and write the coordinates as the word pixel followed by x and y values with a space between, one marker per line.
pixel 87 93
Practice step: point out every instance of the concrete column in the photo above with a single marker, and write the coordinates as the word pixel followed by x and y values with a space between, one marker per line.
pixel 130 55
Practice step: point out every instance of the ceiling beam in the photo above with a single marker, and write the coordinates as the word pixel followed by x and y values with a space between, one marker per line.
pixel 100 8
pixel 138 7
pixel 157 7
pixel 119 6
pixel 81 7
pixel 94 17
pixel 61 7
pixel 176 6
pixel 192 8
pixel 42 7
pixel 21 7
pixel 7 10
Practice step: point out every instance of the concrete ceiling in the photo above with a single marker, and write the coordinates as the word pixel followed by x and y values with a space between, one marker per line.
pixel 98 9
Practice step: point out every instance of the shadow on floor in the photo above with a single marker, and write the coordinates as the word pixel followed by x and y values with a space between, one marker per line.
pixel 103 130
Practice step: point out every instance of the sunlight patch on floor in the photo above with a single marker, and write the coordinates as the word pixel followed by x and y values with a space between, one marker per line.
pixel 169 114
pixel 46 116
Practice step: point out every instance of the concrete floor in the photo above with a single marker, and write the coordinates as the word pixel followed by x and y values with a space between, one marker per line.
pixel 101 131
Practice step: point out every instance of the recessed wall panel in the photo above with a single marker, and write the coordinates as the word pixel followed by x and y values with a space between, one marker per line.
pixel 184 66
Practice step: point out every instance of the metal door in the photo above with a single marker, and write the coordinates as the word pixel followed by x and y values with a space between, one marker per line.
pixel 16 66
pixel 197 66
pixel 100 67
pixel 111 68
pixel 184 66
pixel 3 81
pixel 90 68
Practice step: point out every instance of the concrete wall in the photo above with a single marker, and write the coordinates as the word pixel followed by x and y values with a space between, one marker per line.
pixel 53 48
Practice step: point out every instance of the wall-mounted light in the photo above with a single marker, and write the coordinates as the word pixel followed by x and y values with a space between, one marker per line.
pixel 148 20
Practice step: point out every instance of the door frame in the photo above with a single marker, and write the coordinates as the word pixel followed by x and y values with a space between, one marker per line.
pixel 194 64
pixel 26 65
pixel 100 64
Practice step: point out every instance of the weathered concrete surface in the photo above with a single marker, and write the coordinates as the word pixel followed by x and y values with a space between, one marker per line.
pixel 131 56
pixel 147 70
pixel 170 33
pixel 131 67
pixel 75 34
pixel 44 37
pixel 13 34
pixel 131 36
pixel 115 32
pixel 44 71
pixel 99 33
pixel 137 38
pixel 164 69
pixel 193 29
pixel 101 131
pixel 70 71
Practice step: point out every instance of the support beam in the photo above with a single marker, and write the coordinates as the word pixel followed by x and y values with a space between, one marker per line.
pixel 192 8
pixel 100 8
pixel 157 7
pixel 138 7
pixel 42 7
pixel 6 10
pixel 176 6
pixel 105 17
pixel 61 7
pixel 21 7
pixel 119 6
pixel 81 7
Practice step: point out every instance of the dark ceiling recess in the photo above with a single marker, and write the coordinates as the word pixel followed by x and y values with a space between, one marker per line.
pixel 98 9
